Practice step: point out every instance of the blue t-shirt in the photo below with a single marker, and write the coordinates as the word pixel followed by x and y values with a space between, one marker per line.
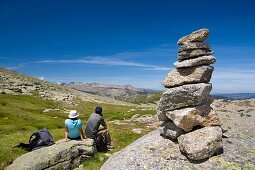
pixel 73 127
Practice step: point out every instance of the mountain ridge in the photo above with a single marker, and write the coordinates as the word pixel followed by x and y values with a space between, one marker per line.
pixel 15 83
pixel 234 96
pixel 119 92
pixel 96 84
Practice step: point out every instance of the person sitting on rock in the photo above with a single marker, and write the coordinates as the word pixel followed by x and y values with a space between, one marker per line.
pixel 73 127
pixel 92 127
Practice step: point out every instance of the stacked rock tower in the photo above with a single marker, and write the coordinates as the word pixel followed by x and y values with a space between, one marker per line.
pixel 185 107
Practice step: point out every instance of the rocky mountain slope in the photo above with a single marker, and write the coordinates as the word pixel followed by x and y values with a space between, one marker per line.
pixel 112 91
pixel 12 82
pixel 15 83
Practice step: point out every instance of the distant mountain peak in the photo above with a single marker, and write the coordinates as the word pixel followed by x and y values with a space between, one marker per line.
pixel 113 91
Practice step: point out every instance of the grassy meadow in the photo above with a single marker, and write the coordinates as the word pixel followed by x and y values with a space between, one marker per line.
pixel 21 115
pixel 147 98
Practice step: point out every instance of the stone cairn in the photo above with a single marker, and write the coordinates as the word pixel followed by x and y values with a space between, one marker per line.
pixel 185 107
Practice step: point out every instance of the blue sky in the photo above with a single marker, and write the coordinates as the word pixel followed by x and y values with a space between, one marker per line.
pixel 125 42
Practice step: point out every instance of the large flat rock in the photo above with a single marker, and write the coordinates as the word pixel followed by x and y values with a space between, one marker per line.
pixel 194 45
pixel 154 152
pixel 203 60
pixel 67 155
pixel 181 76
pixel 184 55
pixel 184 96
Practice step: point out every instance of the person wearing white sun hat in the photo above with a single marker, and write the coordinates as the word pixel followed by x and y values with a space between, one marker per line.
pixel 73 127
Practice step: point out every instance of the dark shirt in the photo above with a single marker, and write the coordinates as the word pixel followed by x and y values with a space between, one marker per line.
pixel 92 125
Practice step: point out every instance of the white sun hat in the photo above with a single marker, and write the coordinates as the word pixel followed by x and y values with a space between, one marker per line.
pixel 73 114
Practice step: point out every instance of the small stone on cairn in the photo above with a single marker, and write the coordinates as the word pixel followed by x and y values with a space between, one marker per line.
pixel 185 106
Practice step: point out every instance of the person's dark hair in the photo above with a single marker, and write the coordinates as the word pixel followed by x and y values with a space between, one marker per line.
pixel 98 110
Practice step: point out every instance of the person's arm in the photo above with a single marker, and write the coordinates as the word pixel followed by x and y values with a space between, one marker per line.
pixel 66 133
pixel 80 130
pixel 82 134
pixel 103 124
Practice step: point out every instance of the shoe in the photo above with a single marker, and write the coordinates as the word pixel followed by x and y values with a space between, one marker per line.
pixel 110 147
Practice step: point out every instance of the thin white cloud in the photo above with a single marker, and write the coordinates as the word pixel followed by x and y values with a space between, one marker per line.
pixel 234 74
pixel 41 78
pixel 234 70
pixel 68 79
pixel 233 88
pixel 233 80
pixel 104 61
pixel 118 59
pixel 117 78
pixel 166 50
pixel 17 67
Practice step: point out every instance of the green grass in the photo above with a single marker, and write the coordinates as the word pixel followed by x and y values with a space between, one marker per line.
pixel 122 136
pixel 147 98
pixel 21 115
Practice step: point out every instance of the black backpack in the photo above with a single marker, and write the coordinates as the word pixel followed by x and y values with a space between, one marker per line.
pixel 101 143
pixel 37 140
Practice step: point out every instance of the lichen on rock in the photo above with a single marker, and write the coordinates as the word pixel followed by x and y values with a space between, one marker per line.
pixel 202 143
pixel 67 155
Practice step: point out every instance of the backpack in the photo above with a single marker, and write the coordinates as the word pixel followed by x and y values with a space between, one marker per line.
pixel 37 140
pixel 101 143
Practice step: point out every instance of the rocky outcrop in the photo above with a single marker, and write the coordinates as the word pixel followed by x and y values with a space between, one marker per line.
pixel 153 152
pixel 67 155
pixel 16 83
pixel 7 91
pixel 186 103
